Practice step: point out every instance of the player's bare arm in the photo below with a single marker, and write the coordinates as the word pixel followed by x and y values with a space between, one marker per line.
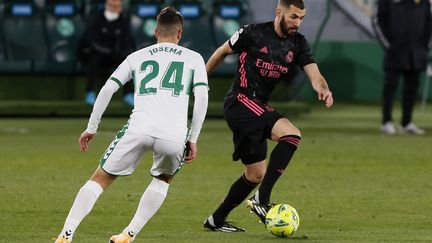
pixel 84 140
pixel 218 57
pixel 319 84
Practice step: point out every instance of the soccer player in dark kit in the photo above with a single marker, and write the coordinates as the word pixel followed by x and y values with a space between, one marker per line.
pixel 267 52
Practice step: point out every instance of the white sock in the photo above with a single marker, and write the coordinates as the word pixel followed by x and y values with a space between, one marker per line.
pixel 83 204
pixel 150 202
pixel 256 196
pixel 211 220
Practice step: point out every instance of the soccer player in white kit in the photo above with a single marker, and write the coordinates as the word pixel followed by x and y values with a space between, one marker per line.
pixel 164 76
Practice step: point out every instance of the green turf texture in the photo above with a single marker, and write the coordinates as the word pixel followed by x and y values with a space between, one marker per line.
pixel 348 182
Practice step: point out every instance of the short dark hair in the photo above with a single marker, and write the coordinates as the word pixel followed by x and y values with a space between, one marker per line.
pixel 169 21
pixel 297 3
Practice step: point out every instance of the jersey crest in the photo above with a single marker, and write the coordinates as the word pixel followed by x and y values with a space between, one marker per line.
pixel 289 57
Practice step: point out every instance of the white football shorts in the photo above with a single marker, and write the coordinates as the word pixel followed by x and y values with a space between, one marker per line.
pixel 127 149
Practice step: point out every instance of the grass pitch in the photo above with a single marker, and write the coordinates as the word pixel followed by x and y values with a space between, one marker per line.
pixel 348 182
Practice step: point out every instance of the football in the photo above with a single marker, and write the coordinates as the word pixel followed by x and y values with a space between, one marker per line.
pixel 282 220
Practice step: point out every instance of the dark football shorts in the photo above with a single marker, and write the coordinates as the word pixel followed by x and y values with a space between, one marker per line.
pixel 251 122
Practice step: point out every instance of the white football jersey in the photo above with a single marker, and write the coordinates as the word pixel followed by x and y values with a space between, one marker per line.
pixel 164 76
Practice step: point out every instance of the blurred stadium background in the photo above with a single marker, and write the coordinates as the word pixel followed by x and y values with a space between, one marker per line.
pixel 39 72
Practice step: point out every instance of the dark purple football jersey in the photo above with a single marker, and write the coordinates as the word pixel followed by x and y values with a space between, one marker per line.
pixel 265 59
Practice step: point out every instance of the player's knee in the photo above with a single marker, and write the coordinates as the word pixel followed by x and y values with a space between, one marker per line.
pixel 256 176
pixel 165 178
pixel 284 127
pixel 103 178
pixel 294 131
pixel 259 177
pixel 289 130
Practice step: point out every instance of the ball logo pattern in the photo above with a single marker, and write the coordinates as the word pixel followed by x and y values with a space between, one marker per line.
pixel 282 220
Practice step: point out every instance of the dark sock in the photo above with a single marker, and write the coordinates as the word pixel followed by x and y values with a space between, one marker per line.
pixel 279 160
pixel 238 192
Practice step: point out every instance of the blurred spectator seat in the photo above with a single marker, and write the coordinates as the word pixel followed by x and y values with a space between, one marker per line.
pixel 91 7
pixel 143 15
pixel 2 50
pixel 64 27
pixel 23 35
pixel 196 32
pixel 227 17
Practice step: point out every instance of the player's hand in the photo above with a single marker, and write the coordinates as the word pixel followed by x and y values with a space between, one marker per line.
pixel 84 140
pixel 190 152
pixel 326 96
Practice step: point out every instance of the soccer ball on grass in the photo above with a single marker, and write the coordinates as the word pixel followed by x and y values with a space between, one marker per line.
pixel 282 220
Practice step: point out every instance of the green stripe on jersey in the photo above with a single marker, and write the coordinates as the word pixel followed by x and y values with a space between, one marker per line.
pixel 116 80
pixel 134 79
pixel 113 144
pixel 200 84
pixel 189 82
